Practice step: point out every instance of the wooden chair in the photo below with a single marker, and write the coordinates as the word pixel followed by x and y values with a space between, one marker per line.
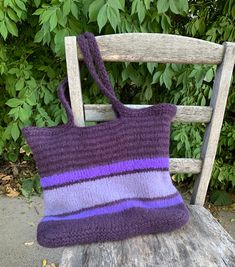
pixel 203 242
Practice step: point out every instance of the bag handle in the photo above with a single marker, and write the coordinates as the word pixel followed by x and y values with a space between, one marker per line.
pixel 94 49
pixel 91 55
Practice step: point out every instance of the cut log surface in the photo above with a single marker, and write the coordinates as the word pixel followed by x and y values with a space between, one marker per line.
pixel 201 243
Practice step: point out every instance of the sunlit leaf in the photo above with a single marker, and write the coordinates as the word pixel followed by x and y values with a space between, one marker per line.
pixel 102 17
pixel 162 5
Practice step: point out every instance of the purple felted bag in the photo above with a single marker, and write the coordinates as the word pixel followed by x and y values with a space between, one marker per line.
pixel 110 181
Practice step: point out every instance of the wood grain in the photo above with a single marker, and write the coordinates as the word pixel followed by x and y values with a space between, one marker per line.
pixel 75 89
pixel 202 242
pixel 155 47
pixel 104 112
pixel 218 103
pixel 184 165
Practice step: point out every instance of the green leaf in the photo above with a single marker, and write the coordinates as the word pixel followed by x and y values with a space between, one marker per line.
pixel 20 4
pixel 156 76
pixel 151 67
pixel 14 102
pixel 37 2
pixel 94 9
pixel 46 15
pixel 24 114
pixel 75 10
pixel 14 112
pixel 148 93
pixel 125 74
pixel 102 17
pixel 133 75
pixel 113 17
pixel 39 11
pixel 44 113
pixel 31 99
pixel 174 6
pixel 36 185
pixel 220 198
pixel 165 23
pixel 40 122
pixel 202 26
pixel 59 40
pixel 209 75
pixel 26 149
pixel 53 21
pixel 114 4
pixel 121 4
pixel 15 133
pixel 233 11
pixel 48 97
pixel 27 187
pixel 167 80
pixel 66 7
pixel 162 6
pixel 19 85
pixel 19 12
pixel 141 11
pixel 203 101
pixel 147 4
pixel 39 36
pixel 1 14
pixel 134 7
pixel 184 5
pixel 3 30
pixel 12 156
pixel 61 19
pixel 12 15
pixel 31 83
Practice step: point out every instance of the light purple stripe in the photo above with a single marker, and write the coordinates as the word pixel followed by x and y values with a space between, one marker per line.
pixel 151 204
pixel 87 173
pixel 148 184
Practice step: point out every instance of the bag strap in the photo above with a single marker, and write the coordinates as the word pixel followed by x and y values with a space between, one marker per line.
pixel 94 49
pixel 63 94
pixel 91 55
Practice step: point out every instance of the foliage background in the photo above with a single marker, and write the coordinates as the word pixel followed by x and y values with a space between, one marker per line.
pixel 32 64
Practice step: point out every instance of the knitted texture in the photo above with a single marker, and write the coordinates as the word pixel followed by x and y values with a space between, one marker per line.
pixel 110 181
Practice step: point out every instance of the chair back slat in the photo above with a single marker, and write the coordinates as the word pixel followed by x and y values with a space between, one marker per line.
pixel 154 47
pixel 104 112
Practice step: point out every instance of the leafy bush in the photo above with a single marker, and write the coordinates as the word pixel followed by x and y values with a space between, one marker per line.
pixel 32 64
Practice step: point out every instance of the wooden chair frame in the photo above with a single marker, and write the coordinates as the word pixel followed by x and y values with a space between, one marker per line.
pixel 203 241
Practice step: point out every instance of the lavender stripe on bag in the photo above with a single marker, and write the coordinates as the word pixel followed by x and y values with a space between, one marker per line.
pixel 149 184
pixel 125 204
pixel 109 181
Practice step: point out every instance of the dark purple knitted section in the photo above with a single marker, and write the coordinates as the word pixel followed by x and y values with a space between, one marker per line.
pixel 61 149
pixel 111 227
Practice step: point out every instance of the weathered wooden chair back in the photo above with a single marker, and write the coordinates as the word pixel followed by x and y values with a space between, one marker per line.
pixel 163 48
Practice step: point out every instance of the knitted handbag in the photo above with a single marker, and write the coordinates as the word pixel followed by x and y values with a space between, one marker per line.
pixel 109 181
